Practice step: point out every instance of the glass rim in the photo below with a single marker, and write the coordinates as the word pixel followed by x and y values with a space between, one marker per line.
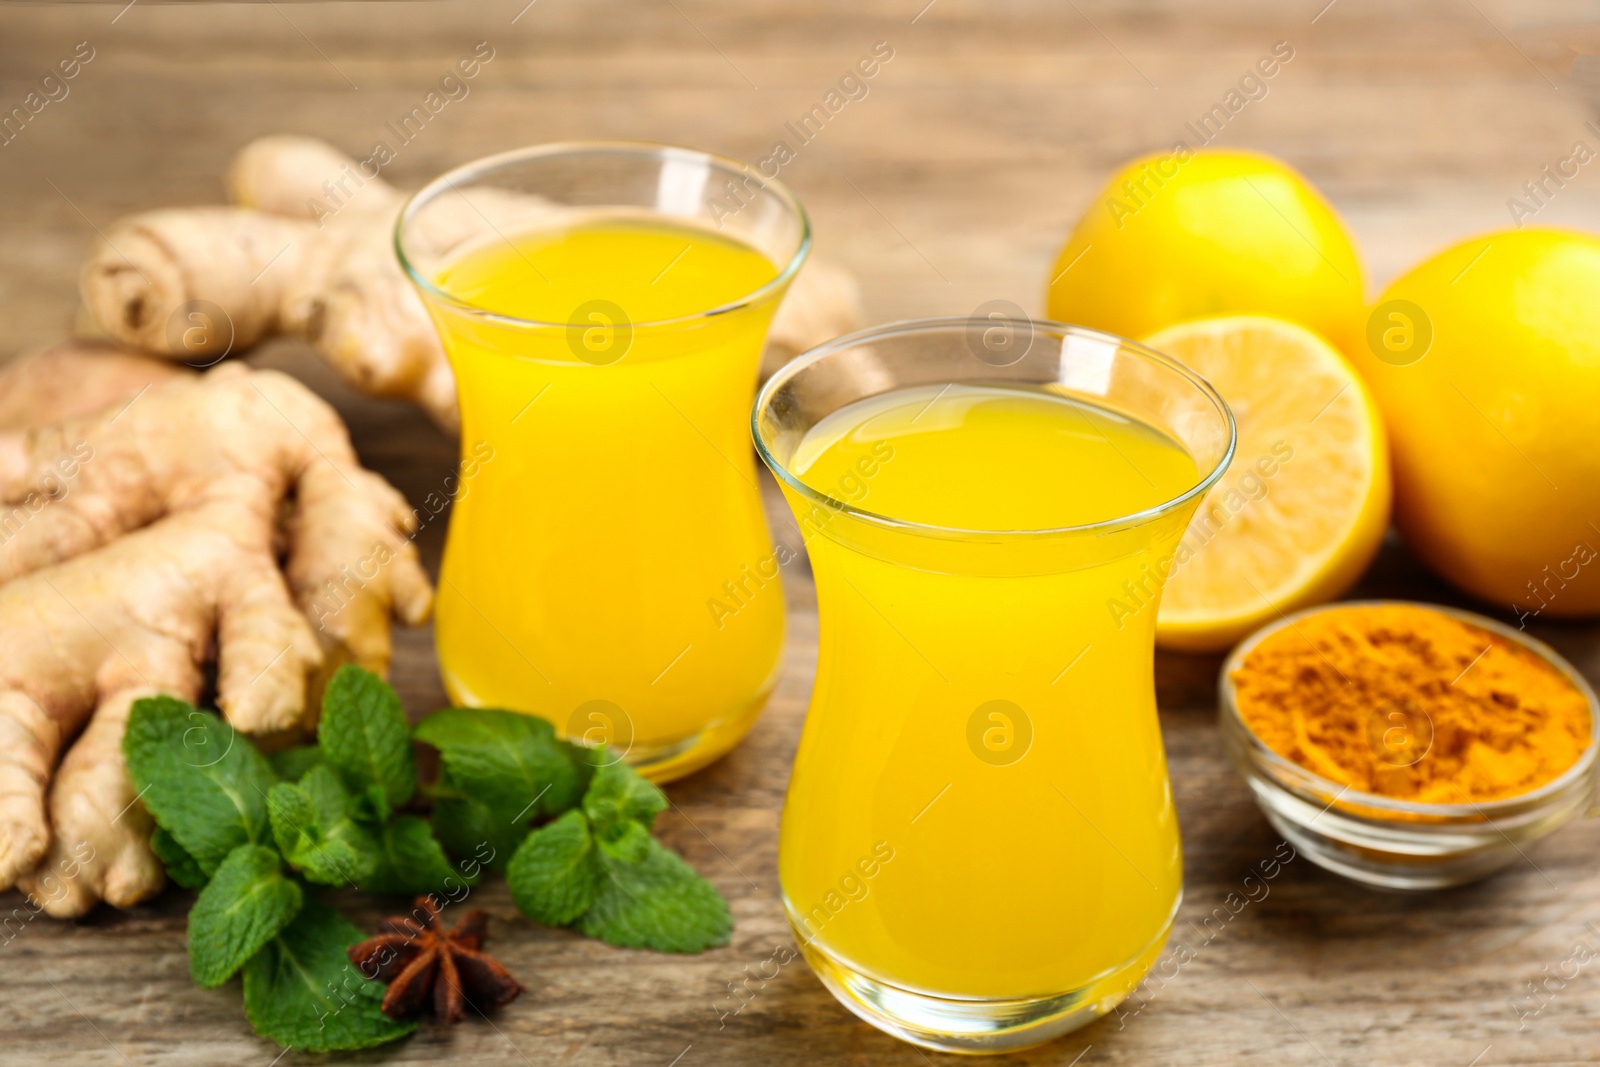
pixel 642 149
pixel 901 327
pixel 1582 767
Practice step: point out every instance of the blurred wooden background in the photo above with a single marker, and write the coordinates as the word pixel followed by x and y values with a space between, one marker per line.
pixel 952 183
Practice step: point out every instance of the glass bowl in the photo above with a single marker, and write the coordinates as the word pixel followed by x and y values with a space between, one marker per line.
pixel 1399 844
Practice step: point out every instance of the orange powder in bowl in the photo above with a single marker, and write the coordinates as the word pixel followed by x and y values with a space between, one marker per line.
pixel 1404 701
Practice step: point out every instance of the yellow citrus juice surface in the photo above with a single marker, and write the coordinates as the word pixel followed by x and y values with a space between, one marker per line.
pixel 589 552
pixel 980 804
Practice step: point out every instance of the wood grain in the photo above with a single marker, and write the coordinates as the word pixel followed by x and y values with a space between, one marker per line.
pixel 951 183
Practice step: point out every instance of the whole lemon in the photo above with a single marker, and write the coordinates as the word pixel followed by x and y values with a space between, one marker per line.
pixel 1486 363
pixel 1185 234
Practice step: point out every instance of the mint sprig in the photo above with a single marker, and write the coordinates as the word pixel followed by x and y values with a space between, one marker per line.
pixel 619 796
pixel 410 861
pixel 301 989
pixel 203 783
pixel 658 903
pixel 246 904
pixel 500 771
pixel 320 829
pixel 181 867
pixel 254 845
pixel 555 876
pixel 291 764
pixel 363 734
pixel 598 867
pixel 570 826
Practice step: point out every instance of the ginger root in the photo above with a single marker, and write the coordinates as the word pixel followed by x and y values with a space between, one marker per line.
pixel 88 637
pixel 75 378
pixel 137 545
pixel 232 432
pixel 200 283
pixel 307 252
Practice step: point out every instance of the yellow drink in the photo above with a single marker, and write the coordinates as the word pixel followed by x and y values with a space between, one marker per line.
pixel 980 805
pixel 585 557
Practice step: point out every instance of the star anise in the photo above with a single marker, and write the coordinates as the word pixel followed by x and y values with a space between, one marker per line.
pixel 420 961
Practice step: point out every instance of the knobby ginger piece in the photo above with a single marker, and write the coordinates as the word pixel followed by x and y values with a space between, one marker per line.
pixel 75 378
pixel 253 435
pixel 295 259
pixel 85 639
pixel 140 543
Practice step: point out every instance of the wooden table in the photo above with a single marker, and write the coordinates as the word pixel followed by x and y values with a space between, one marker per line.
pixel 951 183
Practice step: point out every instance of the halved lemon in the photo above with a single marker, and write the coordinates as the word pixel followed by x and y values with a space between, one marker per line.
pixel 1302 508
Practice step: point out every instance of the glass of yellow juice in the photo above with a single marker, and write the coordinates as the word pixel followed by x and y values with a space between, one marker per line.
pixel 979 850
pixel 604 307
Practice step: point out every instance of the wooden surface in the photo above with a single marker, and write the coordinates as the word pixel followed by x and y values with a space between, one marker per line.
pixel 952 183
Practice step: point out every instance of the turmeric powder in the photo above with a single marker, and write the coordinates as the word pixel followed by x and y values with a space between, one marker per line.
pixel 1404 701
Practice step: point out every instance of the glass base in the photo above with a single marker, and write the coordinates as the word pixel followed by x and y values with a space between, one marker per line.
pixel 665 763
pixel 971 1025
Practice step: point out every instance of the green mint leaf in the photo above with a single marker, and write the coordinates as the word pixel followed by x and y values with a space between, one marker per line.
pixel 468 827
pixel 181 867
pixel 303 841
pixel 315 826
pixel 411 861
pixel 510 763
pixel 660 903
pixel 338 816
pixel 292 764
pixel 555 876
pixel 302 991
pixel 293 816
pixel 334 863
pixel 627 841
pixel 618 794
pixel 202 782
pixel 363 733
pixel 246 904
